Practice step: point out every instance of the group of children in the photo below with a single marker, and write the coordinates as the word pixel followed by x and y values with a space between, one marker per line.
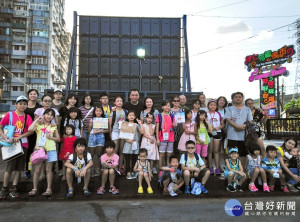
pixel 104 152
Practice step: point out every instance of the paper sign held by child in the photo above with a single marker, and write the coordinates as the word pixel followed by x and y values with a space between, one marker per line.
pixel 100 123
pixel 127 131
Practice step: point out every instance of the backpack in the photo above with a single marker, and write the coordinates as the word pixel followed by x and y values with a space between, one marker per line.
pixel 75 158
pixel 196 156
pixel 114 117
pixel 160 120
pixel 250 135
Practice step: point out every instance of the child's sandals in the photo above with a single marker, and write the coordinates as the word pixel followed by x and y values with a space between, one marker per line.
pixel 70 193
pixel 33 192
pixel 114 190
pixel 86 192
pixel 101 190
pixel 47 193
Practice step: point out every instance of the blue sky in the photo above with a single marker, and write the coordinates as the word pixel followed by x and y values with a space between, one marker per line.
pixel 218 72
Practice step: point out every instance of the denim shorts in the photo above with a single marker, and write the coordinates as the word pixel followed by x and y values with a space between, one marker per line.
pixel 52 156
pixel 96 140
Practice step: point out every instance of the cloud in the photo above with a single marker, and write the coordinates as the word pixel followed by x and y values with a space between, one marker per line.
pixel 238 26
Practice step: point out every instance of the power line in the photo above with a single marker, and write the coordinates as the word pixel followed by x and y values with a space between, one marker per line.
pixel 249 17
pixel 223 6
pixel 231 43
pixel 20 80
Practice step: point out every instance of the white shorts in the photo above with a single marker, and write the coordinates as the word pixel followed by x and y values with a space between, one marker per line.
pixel 115 136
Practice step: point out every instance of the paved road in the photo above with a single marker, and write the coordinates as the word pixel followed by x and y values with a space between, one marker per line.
pixel 136 210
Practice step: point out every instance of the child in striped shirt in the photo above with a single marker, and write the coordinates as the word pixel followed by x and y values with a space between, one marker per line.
pixel 273 168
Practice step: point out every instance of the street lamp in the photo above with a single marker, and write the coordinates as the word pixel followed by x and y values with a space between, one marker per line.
pixel 141 55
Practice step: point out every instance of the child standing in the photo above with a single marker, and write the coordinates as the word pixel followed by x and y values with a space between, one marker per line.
pixel 96 139
pixel 202 137
pixel 190 131
pixel 217 123
pixel 196 106
pixel 234 172
pixel 46 102
pixel 272 166
pixel 254 168
pixel 173 175
pixel 109 162
pixel 67 146
pixel 74 119
pixel 80 163
pixel 164 132
pixel 131 147
pixel 86 113
pixel 21 121
pixel 47 135
pixel 143 170
pixel 193 167
pixel 116 119
pixel 148 140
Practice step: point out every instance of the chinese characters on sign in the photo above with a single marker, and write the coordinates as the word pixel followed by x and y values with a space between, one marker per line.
pixel 268 93
pixel 270 208
pixel 270 57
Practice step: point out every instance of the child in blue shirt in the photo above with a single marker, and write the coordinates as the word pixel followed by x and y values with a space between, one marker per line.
pixel 193 167
pixel 234 172
pixel 272 166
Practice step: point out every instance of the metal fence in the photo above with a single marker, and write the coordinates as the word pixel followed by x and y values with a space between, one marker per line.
pixel 280 128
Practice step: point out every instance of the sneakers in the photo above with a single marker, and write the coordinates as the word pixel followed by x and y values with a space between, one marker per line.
pixel 129 177
pixel 14 193
pixel 253 188
pixel 3 193
pixel 211 170
pixel 266 188
pixel 149 190
pixel 27 174
pixel 218 172
pixel 203 189
pixel 239 188
pixel 297 185
pixel 271 188
pixel 187 190
pixel 292 188
pixel 101 190
pixel 285 189
pixel 122 171
pixel 140 190
pixel 230 188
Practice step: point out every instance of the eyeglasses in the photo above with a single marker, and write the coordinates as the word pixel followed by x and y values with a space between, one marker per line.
pixel 47 101
pixel 190 147
pixel 176 101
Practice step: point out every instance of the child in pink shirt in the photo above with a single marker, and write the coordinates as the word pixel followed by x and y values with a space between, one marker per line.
pixel 165 132
pixel 109 162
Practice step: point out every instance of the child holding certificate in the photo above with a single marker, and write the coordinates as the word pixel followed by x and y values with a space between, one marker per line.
pixel 97 127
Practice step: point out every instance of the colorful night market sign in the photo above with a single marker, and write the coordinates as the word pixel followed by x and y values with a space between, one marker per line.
pixel 269 63
pixel 268 91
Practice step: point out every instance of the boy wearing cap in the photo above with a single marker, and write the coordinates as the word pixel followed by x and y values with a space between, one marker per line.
pixel 57 103
pixel 273 169
pixel 21 121
pixel 234 172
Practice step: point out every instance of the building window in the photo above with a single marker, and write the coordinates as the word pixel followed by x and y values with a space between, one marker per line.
pixel 16 47
pixel 15 88
pixel 21 75
pixel 23 47
pixel 22 88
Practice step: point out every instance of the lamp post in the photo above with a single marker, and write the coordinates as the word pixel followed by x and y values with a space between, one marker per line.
pixel 141 55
